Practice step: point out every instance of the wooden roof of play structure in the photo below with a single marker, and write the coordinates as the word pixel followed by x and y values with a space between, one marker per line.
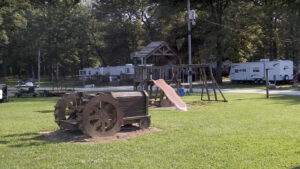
pixel 158 48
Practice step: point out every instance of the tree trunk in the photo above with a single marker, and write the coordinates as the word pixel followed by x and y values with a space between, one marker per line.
pixel 219 62
pixel 52 72
pixel 32 71
pixel 4 65
pixel 57 72
pixel 219 72
pixel 44 68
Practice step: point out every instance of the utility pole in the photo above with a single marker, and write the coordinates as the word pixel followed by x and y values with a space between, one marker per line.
pixel 39 66
pixel 267 83
pixel 190 46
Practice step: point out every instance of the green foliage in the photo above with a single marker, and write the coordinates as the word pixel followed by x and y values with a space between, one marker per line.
pixel 106 33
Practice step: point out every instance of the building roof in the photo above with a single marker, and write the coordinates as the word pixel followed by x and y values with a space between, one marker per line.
pixel 158 48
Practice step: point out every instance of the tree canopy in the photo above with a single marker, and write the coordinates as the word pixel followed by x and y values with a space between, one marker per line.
pixel 71 35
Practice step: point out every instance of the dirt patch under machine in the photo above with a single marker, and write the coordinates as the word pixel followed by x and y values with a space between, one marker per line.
pixel 76 136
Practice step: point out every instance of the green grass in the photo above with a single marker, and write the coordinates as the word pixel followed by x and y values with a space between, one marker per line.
pixel 247 132
pixel 229 85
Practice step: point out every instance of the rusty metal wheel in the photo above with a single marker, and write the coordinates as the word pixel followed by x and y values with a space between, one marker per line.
pixel 144 123
pixel 67 106
pixel 102 116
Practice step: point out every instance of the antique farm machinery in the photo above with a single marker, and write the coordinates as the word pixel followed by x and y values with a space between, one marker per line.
pixel 102 114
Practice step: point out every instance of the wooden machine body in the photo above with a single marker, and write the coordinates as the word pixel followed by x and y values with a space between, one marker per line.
pixel 134 105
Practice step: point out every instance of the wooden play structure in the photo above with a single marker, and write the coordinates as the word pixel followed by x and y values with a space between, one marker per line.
pixel 214 86
pixel 157 61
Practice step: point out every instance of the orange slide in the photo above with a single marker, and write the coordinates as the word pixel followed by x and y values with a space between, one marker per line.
pixel 171 94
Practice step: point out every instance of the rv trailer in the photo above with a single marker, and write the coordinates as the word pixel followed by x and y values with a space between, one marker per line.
pixel 279 70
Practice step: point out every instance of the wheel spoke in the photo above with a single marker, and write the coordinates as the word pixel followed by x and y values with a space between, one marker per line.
pixel 113 118
pixel 94 113
pixel 93 117
pixel 104 118
pixel 71 106
pixel 96 126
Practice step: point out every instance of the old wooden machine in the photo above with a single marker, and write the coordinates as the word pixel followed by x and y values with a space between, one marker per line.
pixel 102 114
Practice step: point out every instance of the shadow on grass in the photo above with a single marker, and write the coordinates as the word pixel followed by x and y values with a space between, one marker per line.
pixel 297 167
pixel 280 99
pixel 285 99
pixel 45 111
pixel 34 99
pixel 3 142
pixel 23 140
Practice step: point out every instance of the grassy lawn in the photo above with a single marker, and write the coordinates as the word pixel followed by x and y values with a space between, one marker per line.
pixel 247 132
pixel 229 85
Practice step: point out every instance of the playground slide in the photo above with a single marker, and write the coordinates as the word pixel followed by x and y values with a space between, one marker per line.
pixel 171 94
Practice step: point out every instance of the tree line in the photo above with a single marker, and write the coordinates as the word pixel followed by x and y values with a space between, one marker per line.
pixel 71 35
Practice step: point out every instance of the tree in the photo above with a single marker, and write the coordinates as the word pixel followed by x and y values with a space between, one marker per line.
pixel 12 21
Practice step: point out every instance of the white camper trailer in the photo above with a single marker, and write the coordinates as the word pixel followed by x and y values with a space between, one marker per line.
pixel 113 72
pixel 279 70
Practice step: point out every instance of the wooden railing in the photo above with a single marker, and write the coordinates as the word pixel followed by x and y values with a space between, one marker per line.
pixel 168 72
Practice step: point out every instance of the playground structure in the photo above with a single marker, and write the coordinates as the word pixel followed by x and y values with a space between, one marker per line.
pixel 158 61
pixel 215 86
pixel 176 75
pixel 102 114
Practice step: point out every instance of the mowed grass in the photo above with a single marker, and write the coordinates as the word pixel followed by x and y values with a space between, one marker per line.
pixel 246 86
pixel 249 131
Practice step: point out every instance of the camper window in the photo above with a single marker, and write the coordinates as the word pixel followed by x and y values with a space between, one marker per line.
pixel 256 69
pixel 239 70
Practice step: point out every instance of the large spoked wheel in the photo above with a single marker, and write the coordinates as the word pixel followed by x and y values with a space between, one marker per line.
pixel 67 107
pixel 102 116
